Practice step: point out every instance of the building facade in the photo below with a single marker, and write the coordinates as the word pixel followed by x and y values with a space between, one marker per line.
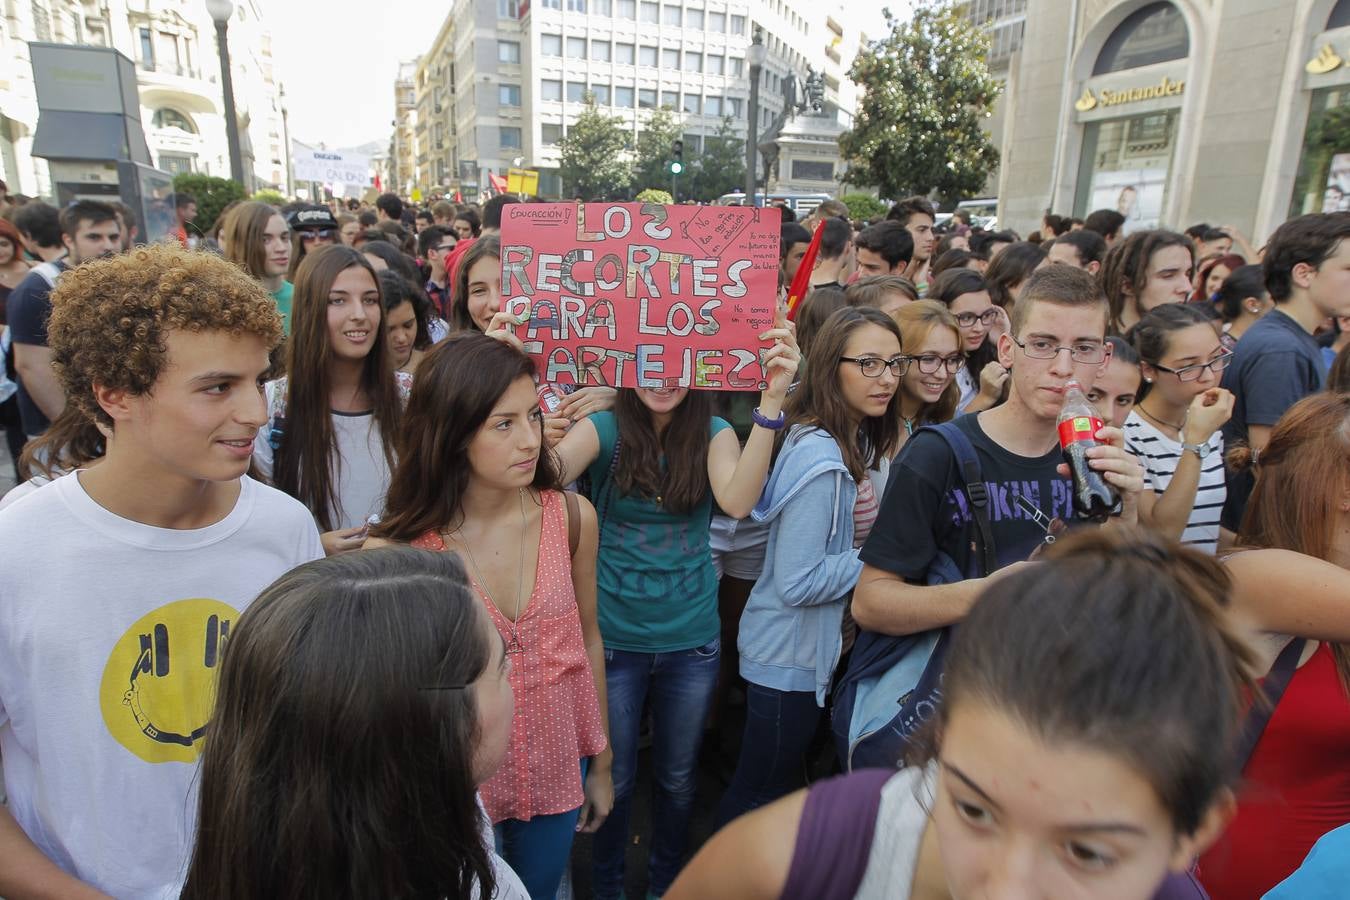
pixel 513 75
pixel 1232 112
pixel 178 74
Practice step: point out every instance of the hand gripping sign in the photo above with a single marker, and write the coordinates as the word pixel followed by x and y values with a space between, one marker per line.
pixel 642 295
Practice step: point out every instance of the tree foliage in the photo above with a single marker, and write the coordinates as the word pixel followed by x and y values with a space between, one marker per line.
pixel 652 195
pixel 720 169
pixel 212 195
pixel 862 207
pixel 270 196
pixel 927 87
pixel 652 166
pixel 594 165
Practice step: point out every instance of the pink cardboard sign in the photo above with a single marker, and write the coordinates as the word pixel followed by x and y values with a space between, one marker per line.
pixel 642 295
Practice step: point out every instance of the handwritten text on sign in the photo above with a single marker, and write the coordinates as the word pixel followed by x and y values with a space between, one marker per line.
pixel 642 295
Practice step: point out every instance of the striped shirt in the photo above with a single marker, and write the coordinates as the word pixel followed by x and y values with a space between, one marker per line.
pixel 1159 455
pixel 864 512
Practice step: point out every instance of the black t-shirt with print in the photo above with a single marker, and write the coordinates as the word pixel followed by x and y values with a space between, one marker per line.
pixel 925 510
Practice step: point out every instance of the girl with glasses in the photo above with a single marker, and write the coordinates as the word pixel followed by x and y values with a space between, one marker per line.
pixel 967 295
pixel 928 390
pixel 820 503
pixel 1174 427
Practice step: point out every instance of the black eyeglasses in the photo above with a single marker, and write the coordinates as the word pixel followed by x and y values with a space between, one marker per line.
pixel 930 363
pixel 1089 352
pixel 967 319
pixel 311 235
pixel 1192 373
pixel 872 366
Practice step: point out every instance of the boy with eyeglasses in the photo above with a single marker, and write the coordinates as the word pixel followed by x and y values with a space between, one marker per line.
pixel 1058 335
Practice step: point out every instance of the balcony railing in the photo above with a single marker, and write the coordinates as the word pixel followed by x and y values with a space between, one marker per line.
pixel 150 65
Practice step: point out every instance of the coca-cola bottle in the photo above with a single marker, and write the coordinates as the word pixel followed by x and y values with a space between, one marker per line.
pixel 549 401
pixel 1093 497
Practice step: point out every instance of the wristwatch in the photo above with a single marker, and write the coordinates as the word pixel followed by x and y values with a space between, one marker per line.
pixel 1200 450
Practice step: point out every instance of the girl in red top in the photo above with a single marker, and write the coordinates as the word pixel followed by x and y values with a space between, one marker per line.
pixel 1296 784
pixel 476 477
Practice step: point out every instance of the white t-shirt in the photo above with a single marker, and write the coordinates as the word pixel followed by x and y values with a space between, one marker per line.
pixel 1159 455
pixel 19 491
pixel 110 631
pixel 359 469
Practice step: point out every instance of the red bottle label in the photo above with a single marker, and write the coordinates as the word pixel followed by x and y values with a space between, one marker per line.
pixel 1079 428
pixel 549 401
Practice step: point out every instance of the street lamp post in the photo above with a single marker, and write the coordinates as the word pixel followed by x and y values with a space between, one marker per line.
pixel 220 11
pixel 754 55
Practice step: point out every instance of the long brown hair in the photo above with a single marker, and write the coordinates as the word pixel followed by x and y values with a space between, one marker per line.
pixel 346 725
pixel 1147 667
pixel 1301 474
pixel 917 320
pixel 682 482
pixel 243 236
pixel 304 461
pixel 818 402
pixel 72 440
pixel 460 320
pixel 458 383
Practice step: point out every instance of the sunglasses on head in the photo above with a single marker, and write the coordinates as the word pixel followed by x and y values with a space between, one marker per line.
pixel 315 234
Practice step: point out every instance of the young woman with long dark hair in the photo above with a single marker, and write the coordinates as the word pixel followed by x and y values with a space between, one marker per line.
pixel 332 421
pixel 966 294
pixel 1174 427
pixel 475 477
pixel 362 701
pixel 1241 299
pixel 820 503
pixel 1010 270
pixel 406 311
pixel 1067 759
pixel 1293 603
pixel 656 464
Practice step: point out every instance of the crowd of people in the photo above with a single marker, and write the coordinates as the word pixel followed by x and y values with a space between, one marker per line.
pixel 312 586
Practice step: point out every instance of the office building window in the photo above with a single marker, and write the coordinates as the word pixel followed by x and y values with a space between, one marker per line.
pixel 508 51
pixel 625 54
pixel 576 6
pixel 601 8
pixel 712 106
pixel 734 107
pixel 670 59
pixel 600 51
pixel 601 92
pixel 551 4
pixel 738 24
pixel 508 9
pixel 647 56
pixel 628 9
pixel 674 15
pixel 649 12
pixel 812 170
pixel 646 98
pixel 691 103
pixel 508 94
pixel 550 90
pixel 576 91
pixel 734 63
pixel 147 49
pixel 576 48
pixel 550 44
pixel 510 138
pixel 693 143
pixel 693 18
pixel 716 64
pixel 623 97
pixel 717 22
pixel 693 62
pixel 551 135
pixel 670 99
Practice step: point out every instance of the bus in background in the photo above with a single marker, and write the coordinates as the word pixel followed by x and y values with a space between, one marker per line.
pixel 801 204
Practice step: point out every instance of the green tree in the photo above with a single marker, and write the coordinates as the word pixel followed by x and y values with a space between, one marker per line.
pixel 268 195
pixel 863 206
pixel 926 88
pixel 594 165
pixel 652 166
pixel 212 195
pixel 720 169
pixel 652 195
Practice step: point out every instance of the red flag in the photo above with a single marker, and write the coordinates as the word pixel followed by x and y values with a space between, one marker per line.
pixel 802 282
pixel 498 182
pixel 377 182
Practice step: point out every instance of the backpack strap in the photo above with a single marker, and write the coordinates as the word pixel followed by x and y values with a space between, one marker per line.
pixel 977 493
pixel 1267 696
pixel 838 823
pixel 573 522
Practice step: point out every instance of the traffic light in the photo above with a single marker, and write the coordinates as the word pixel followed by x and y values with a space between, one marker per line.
pixel 676 157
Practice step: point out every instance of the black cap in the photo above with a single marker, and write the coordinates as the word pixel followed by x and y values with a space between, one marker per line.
pixel 312 216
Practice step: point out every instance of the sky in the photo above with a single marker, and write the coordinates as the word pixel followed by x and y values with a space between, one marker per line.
pixel 338 60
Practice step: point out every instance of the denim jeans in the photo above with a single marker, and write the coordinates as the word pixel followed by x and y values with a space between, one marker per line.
pixel 779 726
pixel 538 850
pixel 680 686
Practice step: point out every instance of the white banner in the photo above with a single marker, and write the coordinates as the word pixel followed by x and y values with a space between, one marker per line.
pixel 332 168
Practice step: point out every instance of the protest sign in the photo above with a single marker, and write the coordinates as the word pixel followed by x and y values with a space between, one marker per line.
pixel 329 167
pixel 642 295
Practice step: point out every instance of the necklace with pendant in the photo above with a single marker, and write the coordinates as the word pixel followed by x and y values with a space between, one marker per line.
pixel 513 644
